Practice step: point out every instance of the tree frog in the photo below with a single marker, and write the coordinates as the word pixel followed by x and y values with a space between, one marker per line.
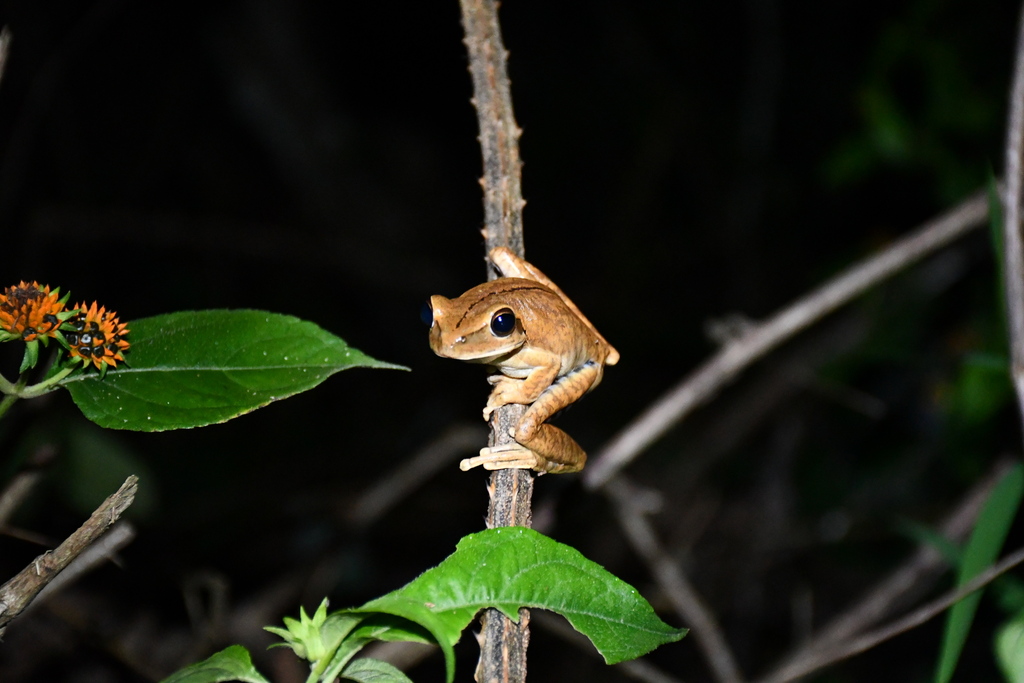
pixel 546 353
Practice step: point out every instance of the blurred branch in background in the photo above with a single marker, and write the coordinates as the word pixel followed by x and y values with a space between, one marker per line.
pixel 862 643
pixel 632 505
pixel 1013 248
pixel 5 48
pixel 909 582
pixel 398 483
pixel 754 340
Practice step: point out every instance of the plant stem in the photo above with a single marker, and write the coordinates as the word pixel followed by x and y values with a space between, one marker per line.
pixel 7 387
pixel 8 401
pixel 12 392
pixel 502 642
pixel 46 385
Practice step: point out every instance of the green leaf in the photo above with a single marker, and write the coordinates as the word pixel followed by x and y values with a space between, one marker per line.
pixel 31 357
pixel 375 627
pixel 515 567
pixel 373 671
pixel 196 368
pixel 231 664
pixel 1009 646
pixel 982 549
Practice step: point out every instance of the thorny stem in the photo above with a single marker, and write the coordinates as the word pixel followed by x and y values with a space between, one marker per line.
pixel 502 642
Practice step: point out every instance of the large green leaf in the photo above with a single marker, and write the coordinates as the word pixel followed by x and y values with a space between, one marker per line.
pixel 195 368
pixel 231 664
pixel 514 567
pixel 982 549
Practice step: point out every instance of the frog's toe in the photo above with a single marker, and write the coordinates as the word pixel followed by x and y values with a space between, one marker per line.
pixel 508 457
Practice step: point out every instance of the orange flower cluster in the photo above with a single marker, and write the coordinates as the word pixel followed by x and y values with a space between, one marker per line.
pixel 29 310
pixel 97 336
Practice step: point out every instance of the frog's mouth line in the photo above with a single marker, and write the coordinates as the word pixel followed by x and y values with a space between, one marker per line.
pixel 490 357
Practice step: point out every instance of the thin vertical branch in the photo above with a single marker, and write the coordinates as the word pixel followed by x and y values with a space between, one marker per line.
pixel 499 134
pixel 502 642
pixel 1013 252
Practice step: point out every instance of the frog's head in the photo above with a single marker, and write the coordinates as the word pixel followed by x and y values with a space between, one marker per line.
pixel 481 326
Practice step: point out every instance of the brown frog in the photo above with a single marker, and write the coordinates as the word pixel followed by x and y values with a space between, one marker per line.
pixel 546 352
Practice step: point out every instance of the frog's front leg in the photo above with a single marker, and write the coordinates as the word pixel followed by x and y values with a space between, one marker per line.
pixel 540 446
pixel 511 390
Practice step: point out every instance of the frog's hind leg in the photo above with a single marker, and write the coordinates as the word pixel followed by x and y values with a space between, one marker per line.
pixel 559 451
pixel 551 450
pixel 540 446
pixel 562 393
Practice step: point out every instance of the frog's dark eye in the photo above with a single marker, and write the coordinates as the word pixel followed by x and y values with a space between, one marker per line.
pixel 503 322
pixel 427 314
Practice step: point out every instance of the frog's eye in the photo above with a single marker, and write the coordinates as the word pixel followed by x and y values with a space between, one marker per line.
pixel 503 322
pixel 427 314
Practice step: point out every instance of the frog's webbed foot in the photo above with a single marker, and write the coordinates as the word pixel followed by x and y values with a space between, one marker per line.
pixel 513 456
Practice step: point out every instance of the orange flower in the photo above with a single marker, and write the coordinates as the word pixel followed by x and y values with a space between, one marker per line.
pixel 29 310
pixel 96 336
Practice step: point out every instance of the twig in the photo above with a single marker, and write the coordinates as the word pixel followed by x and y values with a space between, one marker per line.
pixel 673 582
pixel 1013 251
pixel 910 579
pixel 919 616
pixel 502 642
pixel 16 594
pixel 499 134
pixel 103 549
pixel 760 338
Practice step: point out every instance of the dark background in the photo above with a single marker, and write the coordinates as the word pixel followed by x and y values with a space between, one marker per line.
pixel 683 162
